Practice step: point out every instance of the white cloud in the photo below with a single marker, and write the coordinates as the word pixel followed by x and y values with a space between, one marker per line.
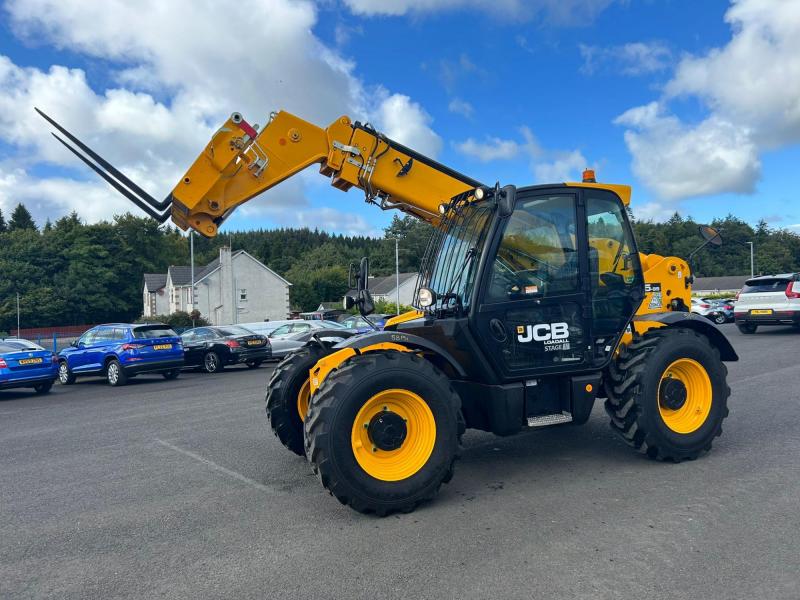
pixel 750 88
pixel 491 149
pixel 406 122
pixel 562 12
pixel 636 58
pixel 547 166
pixel 171 88
pixel 461 107
pixel 677 161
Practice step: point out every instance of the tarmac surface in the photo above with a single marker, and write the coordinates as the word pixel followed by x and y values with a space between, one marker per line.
pixel 177 489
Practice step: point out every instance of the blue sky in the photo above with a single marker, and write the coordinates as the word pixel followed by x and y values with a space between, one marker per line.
pixel 696 104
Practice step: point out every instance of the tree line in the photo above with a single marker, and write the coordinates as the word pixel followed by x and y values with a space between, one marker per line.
pixel 69 273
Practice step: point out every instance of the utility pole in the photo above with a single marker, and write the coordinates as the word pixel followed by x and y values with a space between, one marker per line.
pixel 397 271
pixel 17 314
pixel 191 254
pixel 752 263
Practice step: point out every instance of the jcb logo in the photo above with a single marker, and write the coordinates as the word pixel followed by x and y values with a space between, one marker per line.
pixel 543 332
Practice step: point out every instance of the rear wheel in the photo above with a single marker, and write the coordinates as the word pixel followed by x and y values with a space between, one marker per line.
pixel 720 318
pixel 668 395
pixel 383 432
pixel 65 376
pixel 173 374
pixel 115 374
pixel 288 393
pixel 211 362
pixel 747 328
pixel 43 388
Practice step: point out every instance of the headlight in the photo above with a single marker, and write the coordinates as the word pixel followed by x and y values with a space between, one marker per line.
pixel 426 297
pixel 479 194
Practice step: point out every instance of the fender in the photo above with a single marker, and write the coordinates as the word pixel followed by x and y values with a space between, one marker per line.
pixel 409 340
pixel 695 322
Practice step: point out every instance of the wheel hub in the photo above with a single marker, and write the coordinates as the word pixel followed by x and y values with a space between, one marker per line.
pixel 672 394
pixel 387 430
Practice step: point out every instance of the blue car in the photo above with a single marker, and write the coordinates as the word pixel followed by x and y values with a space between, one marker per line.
pixel 119 351
pixel 25 364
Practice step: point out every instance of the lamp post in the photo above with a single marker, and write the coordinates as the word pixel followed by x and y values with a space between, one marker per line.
pixel 397 271
pixel 752 263
pixel 191 254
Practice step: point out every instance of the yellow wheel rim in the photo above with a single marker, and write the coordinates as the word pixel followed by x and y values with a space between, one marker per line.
pixel 697 405
pixel 416 448
pixel 302 399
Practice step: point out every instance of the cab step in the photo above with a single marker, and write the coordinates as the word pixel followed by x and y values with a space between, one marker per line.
pixel 546 420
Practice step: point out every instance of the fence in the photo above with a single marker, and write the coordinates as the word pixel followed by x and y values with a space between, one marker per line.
pixel 56 338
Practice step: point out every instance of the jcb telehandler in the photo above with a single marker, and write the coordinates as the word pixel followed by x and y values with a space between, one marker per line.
pixel 532 302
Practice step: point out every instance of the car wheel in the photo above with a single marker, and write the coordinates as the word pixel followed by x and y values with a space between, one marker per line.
pixel 115 374
pixel 211 362
pixel 65 376
pixel 719 319
pixel 173 374
pixel 254 364
pixel 747 328
pixel 43 388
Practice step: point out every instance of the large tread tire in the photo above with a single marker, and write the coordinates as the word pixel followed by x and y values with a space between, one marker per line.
pixel 632 384
pixel 281 399
pixel 330 418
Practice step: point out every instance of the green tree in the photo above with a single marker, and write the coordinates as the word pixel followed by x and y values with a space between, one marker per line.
pixel 21 219
pixel 3 226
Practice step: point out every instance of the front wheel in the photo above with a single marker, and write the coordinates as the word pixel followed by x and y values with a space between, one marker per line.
pixel 720 318
pixel 173 374
pixel 667 394
pixel 65 376
pixel 211 362
pixel 383 432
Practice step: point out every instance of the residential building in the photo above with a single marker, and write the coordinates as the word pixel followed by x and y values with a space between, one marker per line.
pixel 385 288
pixel 234 288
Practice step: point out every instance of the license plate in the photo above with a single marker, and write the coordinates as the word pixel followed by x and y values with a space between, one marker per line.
pixel 253 343
pixel 30 361
pixel 162 347
pixel 761 311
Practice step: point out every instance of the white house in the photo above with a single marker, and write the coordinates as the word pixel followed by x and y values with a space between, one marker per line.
pixel 234 288
pixel 385 288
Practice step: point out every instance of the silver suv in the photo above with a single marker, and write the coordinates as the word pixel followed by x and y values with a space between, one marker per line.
pixel 768 300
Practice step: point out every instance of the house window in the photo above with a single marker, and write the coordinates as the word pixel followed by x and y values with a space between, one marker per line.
pixel 242 295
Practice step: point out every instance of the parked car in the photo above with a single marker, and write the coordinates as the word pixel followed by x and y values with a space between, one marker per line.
pixel 283 338
pixel 213 348
pixel 24 364
pixel 265 327
pixel 119 351
pixel 295 341
pixel 360 323
pixel 724 306
pixel 708 309
pixel 768 300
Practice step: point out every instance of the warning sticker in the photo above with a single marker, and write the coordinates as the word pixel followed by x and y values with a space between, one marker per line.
pixel 656 300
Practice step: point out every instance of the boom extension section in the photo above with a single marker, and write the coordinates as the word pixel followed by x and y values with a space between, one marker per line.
pixel 240 162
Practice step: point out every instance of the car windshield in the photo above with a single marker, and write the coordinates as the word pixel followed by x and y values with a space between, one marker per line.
pixel 18 346
pixel 332 324
pixel 153 331
pixel 775 284
pixel 233 330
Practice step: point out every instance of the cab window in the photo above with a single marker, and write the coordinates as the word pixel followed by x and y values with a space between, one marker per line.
pixel 537 255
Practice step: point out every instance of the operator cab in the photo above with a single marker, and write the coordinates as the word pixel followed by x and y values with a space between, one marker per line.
pixel 542 285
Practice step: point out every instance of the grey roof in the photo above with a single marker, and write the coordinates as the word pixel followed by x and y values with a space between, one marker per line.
pixel 155 281
pixel 383 285
pixel 181 275
pixel 729 282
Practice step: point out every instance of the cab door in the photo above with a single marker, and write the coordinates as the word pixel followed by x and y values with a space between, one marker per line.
pixel 534 311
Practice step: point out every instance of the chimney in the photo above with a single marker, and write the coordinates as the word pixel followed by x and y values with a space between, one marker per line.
pixel 227 293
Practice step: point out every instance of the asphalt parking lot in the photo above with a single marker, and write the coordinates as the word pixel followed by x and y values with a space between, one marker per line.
pixel 177 489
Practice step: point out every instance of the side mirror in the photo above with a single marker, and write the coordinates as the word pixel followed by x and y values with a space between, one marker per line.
pixel 74 343
pixel 363 274
pixel 506 198
pixel 710 235
pixel 367 305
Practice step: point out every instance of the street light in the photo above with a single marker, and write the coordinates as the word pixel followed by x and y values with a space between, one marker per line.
pixel 752 269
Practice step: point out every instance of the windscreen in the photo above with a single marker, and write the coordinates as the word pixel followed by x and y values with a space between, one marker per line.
pixel 775 284
pixel 18 345
pixel 153 331
pixel 234 330
pixel 451 259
